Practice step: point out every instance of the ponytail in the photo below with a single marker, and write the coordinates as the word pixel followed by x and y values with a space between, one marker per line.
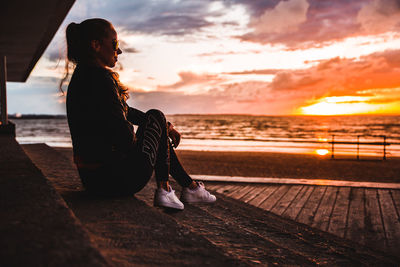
pixel 74 42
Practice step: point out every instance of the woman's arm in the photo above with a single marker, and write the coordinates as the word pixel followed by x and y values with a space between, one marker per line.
pixel 136 116
pixel 174 135
pixel 121 130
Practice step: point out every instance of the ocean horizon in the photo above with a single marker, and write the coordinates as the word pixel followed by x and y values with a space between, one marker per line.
pixel 252 133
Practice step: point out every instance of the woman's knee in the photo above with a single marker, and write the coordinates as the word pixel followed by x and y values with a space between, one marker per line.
pixel 157 114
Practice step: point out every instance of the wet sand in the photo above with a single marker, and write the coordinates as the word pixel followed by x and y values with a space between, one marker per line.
pixel 282 165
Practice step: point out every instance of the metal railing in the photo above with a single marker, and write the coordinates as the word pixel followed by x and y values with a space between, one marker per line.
pixel 358 143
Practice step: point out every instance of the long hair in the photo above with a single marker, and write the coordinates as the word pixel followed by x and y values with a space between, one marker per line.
pixel 122 89
pixel 79 37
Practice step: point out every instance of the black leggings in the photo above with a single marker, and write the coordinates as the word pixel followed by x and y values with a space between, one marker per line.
pixel 129 175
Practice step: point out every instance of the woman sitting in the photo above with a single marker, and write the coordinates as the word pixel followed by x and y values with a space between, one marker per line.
pixel 111 158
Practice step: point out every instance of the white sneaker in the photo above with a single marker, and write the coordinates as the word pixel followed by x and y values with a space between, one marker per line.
pixel 198 195
pixel 163 198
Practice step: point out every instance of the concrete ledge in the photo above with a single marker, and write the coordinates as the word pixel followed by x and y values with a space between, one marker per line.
pixel 266 180
pixel 36 226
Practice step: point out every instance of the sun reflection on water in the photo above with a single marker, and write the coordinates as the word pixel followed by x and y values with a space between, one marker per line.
pixel 322 152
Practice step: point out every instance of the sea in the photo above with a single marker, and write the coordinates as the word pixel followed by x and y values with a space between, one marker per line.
pixel 364 135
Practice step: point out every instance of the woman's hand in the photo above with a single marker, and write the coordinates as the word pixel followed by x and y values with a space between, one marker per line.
pixel 174 135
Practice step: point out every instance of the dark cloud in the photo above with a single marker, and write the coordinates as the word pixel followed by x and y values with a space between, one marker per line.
pixel 255 8
pixel 172 24
pixel 386 7
pixel 325 21
pixel 156 17
pixel 380 16
pixel 129 50
pixel 54 55
pixel 126 48
pixel 56 51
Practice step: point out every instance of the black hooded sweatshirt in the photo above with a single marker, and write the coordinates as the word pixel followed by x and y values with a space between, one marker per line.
pixel 100 122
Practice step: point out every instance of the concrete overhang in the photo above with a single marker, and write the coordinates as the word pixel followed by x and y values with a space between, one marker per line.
pixel 26 29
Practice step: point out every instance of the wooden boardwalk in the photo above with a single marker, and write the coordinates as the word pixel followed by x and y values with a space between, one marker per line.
pixel 368 216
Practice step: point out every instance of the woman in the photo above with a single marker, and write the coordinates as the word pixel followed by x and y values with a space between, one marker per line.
pixel 111 158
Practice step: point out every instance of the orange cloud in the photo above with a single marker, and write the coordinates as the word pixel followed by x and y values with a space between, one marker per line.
pixel 375 77
pixel 340 76
pixel 372 79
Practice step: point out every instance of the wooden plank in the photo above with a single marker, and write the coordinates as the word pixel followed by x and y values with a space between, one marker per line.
pixel 264 195
pixel 337 225
pixel 287 199
pixel 355 222
pixel 225 189
pixel 275 197
pixel 218 187
pixel 396 199
pixel 390 220
pixel 252 187
pixel 256 191
pixel 233 189
pixel 307 214
pixel 323 214
pixel 240 192
pixel 296 206
pixel 212 186
pixel 374 231
pixel 297 181
pixel 215 186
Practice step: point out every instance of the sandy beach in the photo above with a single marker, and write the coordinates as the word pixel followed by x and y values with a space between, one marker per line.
pixel 282 165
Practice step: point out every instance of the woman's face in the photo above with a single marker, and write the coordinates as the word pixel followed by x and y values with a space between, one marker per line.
pixel 107 50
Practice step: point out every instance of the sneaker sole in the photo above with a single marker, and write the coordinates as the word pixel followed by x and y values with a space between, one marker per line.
pixel 169 206
pixel 198 202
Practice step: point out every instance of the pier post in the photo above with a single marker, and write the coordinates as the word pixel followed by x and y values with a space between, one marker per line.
pixel 333 147
pixel 3 91
pixel 358 147
pixel 6 126
pixel 384 147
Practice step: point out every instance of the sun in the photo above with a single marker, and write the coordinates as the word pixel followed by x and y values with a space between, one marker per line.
pixel 344 105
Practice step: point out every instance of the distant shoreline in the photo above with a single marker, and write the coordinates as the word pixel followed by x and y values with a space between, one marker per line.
pixel 64 116
pixel 35 116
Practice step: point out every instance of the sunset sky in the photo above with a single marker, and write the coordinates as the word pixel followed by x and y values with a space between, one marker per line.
pixel 235 56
